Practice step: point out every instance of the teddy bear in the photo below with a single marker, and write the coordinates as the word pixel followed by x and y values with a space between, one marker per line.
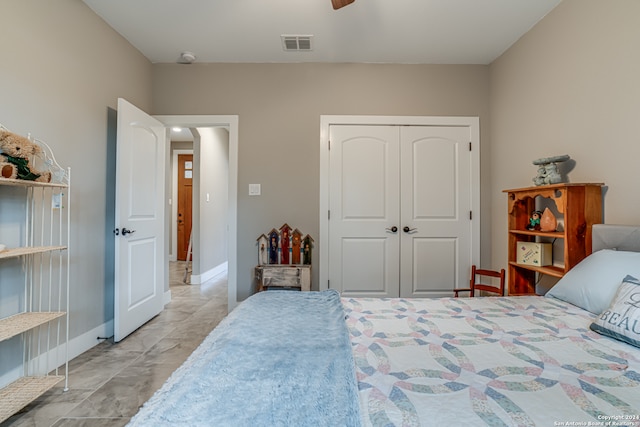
pixel 15 151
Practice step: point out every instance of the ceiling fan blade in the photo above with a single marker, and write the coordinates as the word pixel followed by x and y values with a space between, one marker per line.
pixel 337 4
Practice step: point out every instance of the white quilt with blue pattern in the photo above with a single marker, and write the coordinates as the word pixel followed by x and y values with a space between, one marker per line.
pixel 521 361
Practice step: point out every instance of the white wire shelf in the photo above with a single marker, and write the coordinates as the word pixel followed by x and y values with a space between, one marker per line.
pixel 26 183
pixel 23 391
pixel 29 250
pixel 15 325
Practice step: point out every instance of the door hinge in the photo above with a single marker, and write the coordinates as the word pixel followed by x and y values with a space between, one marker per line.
pixel 328 284
pixel 470 215
pixel 469 146
pixel 329 214
pixel 329 145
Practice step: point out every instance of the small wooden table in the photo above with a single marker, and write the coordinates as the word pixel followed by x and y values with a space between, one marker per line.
pixel 276 276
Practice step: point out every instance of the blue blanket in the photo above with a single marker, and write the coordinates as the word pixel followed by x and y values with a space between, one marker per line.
pixel 281 358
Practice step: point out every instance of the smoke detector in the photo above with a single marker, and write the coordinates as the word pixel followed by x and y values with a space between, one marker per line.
pixel 187 58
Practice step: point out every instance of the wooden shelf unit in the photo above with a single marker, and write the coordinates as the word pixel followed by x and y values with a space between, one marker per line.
pixel 580 206
pixel 42 322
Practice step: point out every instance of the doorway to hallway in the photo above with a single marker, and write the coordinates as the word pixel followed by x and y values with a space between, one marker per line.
pixel 203 199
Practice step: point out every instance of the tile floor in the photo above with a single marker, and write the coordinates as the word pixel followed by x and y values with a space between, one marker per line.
pixel 108 383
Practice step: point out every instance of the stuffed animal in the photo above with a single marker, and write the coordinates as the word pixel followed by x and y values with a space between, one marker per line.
pixel 534 221
pixel 15 151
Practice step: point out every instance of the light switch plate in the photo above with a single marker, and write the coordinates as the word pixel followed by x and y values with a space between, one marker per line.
pixel 254 189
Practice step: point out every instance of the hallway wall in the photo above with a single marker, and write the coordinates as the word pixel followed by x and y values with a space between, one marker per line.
pixel 211 200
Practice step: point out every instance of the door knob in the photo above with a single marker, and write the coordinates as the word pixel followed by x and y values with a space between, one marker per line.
pixel 126 231
pixel 406 229
pixel 392 229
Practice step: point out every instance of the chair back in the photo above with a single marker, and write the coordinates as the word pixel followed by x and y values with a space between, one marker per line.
pixel 478 280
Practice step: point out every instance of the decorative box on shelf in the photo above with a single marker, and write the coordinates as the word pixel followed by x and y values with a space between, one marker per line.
pixel 533 253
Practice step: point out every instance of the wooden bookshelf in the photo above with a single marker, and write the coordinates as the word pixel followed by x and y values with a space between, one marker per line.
pixel 580 206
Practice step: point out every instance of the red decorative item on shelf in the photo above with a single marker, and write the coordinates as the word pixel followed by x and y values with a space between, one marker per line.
pixel 296 240
pixel 285 230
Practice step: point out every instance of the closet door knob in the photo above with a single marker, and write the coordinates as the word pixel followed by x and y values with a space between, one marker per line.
pixel 392 229
pixel 406 229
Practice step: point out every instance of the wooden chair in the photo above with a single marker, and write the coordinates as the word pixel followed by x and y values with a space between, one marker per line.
pixel 477 285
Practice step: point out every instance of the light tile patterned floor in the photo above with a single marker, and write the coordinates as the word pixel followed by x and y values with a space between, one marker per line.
pixel 108 383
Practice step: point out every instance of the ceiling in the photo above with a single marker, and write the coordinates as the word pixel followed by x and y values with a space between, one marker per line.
pixel 368 31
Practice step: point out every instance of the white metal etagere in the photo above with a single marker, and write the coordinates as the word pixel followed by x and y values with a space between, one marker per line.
pixel 42 321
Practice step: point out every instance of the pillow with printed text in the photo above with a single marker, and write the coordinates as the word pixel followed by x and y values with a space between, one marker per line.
pixel 621 320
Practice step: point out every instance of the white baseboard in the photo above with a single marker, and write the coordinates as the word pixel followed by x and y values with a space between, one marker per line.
pixel 167 297
pixel 198 279
pixel 47 361
pixel 84 342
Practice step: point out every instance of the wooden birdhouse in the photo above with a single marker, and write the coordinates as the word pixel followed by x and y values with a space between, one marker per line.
pixel 285 232
pixel 307 244
pixel 284 260
pixel 263 254
pixel 296 241
pixel 273 246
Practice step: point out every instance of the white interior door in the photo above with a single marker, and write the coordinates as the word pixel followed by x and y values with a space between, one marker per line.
pixel 414 178
pixel 365 206
pixel 139 219
pixel 435 206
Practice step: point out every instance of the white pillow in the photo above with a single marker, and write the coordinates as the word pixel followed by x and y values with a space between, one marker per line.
pixel 593 283
pixel 621 320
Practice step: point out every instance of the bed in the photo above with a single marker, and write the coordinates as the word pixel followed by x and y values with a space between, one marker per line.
pixel 315 359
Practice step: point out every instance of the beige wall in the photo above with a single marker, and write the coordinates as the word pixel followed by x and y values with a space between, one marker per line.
pixel 279 108
pixel 211 160
pixel 571 85
pixel 62 67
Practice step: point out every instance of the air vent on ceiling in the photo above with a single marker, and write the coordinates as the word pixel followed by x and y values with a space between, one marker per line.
pixel 293 43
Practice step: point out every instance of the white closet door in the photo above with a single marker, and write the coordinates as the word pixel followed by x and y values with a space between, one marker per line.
pixel 364 206
pixel 435 205
pixel 416 179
